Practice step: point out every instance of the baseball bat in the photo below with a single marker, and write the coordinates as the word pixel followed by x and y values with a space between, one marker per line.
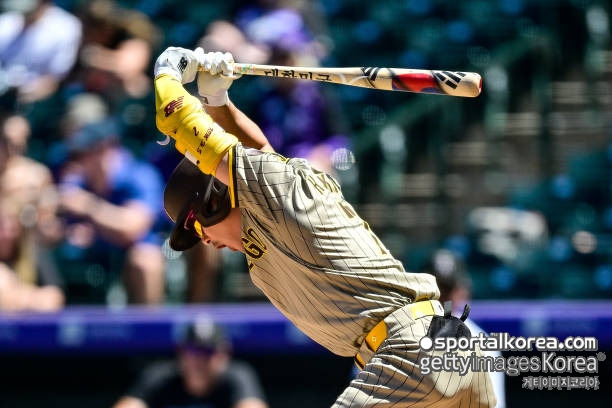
pixel 453 83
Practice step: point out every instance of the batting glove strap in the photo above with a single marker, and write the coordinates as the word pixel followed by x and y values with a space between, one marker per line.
pixel 180 115
pixel 215 100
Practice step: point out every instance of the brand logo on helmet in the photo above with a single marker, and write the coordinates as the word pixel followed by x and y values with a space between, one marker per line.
pixel 173 105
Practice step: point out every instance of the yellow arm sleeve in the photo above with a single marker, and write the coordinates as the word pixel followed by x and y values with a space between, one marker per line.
pixel 181 116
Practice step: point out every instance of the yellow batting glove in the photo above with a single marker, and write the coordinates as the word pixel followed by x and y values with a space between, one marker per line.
pixel 180 115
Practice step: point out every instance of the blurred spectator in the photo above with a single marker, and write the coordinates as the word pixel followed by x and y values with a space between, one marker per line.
pixel 16 130
pixel 225 36
pixel 203 269
pixel 26 182
pixel 81 109
pixel 116 51
pixel 28 279
pixel 38 46
pixel 203 375
pixel 455 285
pixel 111 202
pixel 115 57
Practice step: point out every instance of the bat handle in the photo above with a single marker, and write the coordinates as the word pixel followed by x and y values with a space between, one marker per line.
pixel 239 69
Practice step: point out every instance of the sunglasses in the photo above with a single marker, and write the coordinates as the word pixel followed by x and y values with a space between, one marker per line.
pixel 192 224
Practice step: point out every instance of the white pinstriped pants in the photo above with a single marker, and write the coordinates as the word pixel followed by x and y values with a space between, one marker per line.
pixel 392 377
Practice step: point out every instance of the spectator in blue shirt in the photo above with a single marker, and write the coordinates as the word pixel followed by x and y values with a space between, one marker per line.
pixel 111 202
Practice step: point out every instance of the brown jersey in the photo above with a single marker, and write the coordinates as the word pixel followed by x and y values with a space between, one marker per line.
pixel 310 253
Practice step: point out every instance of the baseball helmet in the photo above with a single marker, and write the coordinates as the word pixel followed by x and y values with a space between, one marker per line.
pixel 191 195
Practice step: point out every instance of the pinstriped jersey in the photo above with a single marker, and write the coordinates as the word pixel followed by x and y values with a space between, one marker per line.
pixel 312 256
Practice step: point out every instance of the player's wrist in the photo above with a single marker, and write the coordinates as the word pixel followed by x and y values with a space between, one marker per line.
pixel 167 72
pixel 219 99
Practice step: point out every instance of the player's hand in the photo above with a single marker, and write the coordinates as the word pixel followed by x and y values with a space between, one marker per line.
pixel 215 78
pixel 180 63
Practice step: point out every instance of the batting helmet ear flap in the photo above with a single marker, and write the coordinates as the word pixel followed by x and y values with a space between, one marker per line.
pixel 215 204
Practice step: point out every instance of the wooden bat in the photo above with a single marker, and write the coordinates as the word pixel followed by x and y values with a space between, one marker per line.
pixel 453 83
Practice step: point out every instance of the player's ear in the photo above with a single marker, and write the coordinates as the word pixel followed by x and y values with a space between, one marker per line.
pixel 205 238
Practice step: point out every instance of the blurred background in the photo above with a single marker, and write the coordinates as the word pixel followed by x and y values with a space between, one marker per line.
pixel 506 197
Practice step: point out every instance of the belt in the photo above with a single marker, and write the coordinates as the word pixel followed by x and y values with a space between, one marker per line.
pixel 379 333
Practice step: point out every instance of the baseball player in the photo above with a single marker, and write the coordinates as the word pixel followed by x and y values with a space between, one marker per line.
pixel 307 249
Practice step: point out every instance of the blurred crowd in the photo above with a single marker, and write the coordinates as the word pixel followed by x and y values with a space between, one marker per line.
pixel 81 177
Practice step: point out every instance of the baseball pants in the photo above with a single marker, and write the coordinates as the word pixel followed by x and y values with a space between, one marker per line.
pixel 391 376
